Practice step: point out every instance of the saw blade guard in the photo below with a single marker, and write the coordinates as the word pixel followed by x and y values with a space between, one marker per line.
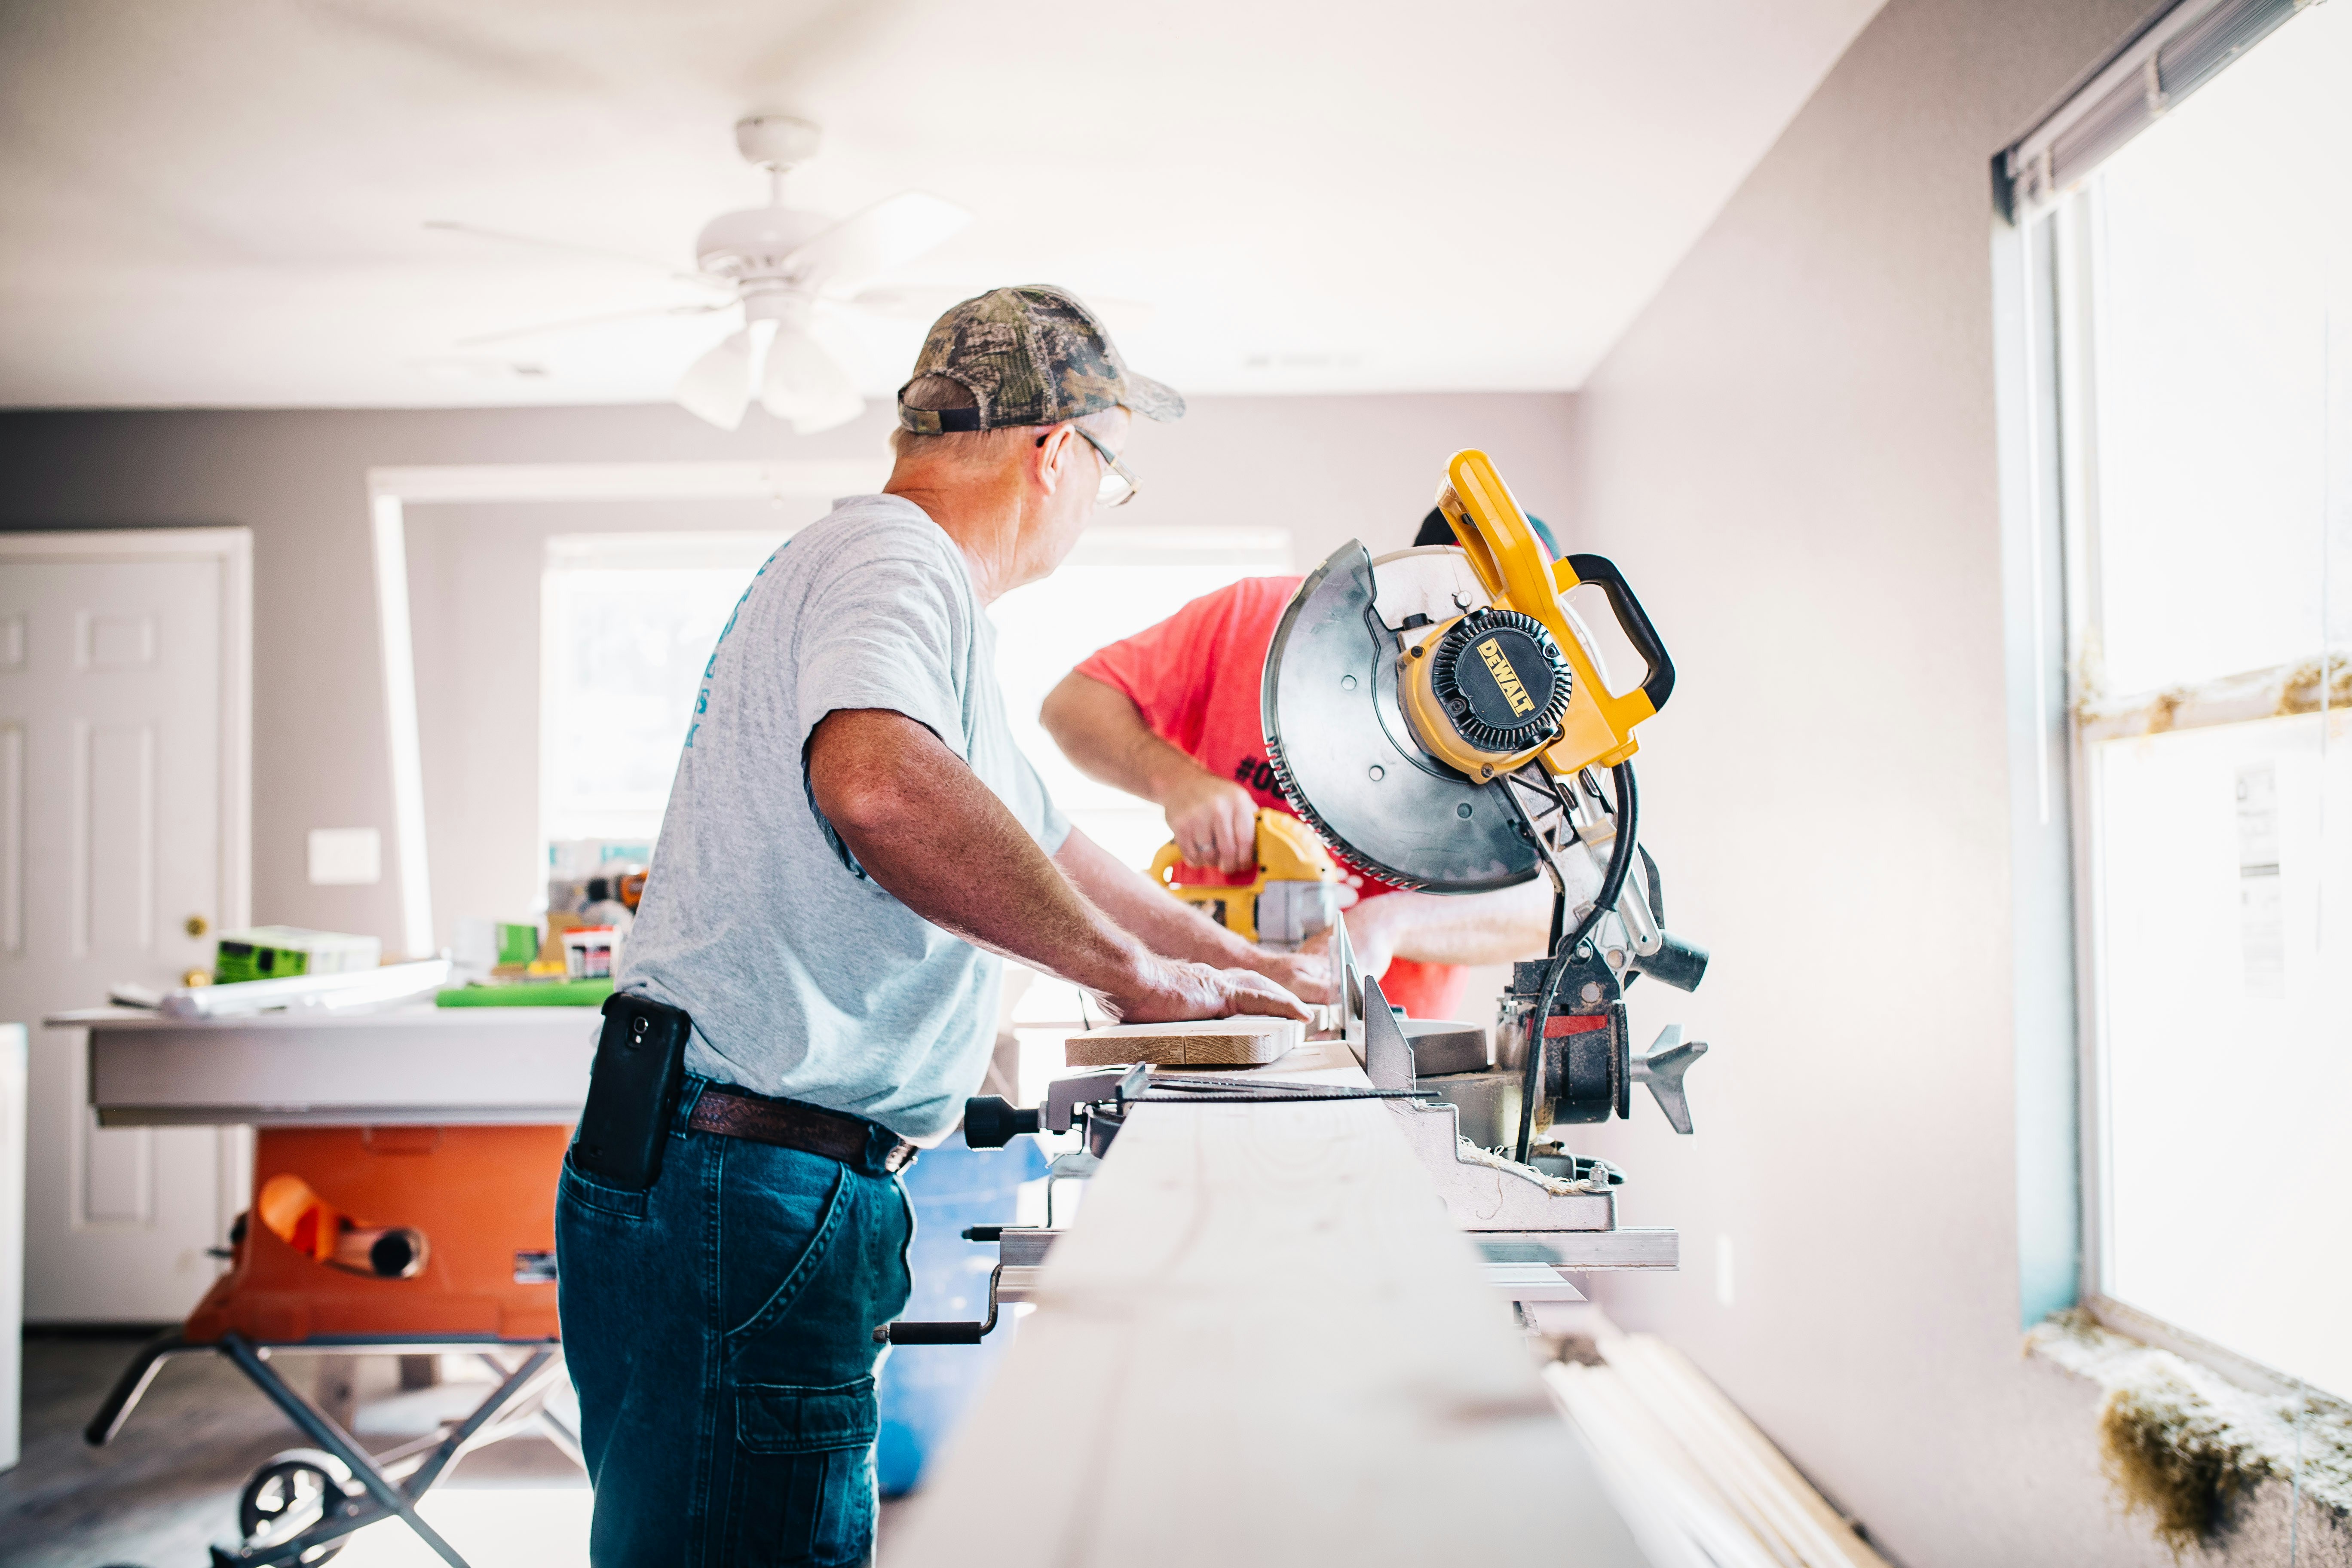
pixel 1346 756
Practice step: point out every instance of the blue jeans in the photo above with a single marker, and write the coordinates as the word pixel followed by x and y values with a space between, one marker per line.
pixel 720 1330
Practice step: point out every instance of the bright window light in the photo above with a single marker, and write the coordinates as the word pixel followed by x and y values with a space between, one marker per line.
pixel 626 624
pixel 629 620
pixel 2204 277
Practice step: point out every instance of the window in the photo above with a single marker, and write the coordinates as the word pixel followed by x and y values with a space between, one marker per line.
pixel 628 622
pixel 2192 286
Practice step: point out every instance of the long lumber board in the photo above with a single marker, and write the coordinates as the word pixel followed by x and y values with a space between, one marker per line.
pixel 1214 1043
pixel 1262 1343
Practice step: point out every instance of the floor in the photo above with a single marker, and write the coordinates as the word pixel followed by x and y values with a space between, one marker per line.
pixel 166 1488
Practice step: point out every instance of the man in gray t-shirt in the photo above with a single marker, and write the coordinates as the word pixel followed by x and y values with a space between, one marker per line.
pixel 853 845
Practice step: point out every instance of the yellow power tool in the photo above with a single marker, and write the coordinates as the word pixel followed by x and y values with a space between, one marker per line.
pixel 1295 895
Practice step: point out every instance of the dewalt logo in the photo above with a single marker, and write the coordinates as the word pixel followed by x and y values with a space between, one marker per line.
pixel 1515 692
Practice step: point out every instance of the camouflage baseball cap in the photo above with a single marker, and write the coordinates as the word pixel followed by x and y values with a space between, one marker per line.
pixel 1029 355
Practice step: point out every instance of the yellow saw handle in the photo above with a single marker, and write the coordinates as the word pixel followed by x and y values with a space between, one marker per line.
pixel 1518 573
pixel 1287 851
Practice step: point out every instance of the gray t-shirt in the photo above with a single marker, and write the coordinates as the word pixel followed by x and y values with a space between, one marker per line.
pixel 805 979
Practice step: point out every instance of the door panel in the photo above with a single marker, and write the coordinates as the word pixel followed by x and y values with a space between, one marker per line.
pixel 109 840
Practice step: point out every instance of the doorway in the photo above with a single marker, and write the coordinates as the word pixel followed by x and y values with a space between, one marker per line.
pixel 125 814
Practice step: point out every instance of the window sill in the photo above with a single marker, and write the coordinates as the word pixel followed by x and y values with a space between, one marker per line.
pixel 2186 1428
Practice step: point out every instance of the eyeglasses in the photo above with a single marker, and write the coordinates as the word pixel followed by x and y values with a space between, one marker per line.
pixel 1119 486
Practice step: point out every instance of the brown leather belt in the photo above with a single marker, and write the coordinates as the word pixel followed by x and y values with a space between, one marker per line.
pixel 789 1124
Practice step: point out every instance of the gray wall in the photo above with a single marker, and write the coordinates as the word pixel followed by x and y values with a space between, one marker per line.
pixel 1325 467
pixel 1792 455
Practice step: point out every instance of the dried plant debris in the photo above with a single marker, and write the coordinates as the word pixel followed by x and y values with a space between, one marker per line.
pixel 2179 1441
pixel 2172 1457
pixel 2317 683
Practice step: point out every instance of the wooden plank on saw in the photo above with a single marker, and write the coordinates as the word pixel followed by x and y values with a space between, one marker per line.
pixel 1261 1344
pixel 1200 1043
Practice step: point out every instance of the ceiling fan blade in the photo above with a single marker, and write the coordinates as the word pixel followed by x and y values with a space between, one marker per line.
pixel 474 231
pixel 928 301
pixel 478 339
pixel 717 386
pixel 884 235
pixel 807 386
pixel 909 302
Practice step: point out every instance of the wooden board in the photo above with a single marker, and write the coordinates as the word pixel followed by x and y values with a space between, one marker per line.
pixel 1261 1344
pixel 1209 1043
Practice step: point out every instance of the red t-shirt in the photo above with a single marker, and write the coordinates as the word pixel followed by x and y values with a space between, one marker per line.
pixel 1195 677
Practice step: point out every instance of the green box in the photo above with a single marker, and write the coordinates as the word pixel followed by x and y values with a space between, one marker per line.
pixel 280 952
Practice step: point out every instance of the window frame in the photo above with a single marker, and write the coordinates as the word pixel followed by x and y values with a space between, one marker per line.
pixel 2050 255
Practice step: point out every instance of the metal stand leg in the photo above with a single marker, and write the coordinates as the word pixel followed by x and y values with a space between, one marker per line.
pixel 128 1388
pixel 336 1441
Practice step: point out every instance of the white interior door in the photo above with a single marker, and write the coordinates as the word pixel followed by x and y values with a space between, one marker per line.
pixel 116 724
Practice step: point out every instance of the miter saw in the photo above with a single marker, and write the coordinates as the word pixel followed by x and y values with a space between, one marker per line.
pixel 1438 715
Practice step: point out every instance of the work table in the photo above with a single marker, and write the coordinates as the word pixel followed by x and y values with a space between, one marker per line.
pixel 1262 1343
pixel 413 1064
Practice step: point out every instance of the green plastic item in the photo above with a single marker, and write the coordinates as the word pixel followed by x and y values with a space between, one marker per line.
pixel 543 994
pixel 517 943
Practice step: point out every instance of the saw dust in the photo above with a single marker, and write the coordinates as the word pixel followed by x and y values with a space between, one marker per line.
pixel 2178 1442
pixel 1469 1153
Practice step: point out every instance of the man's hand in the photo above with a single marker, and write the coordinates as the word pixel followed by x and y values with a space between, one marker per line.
pixel 1100 730
pixel 1178 988
pixel 1214 821
pixel 1307 974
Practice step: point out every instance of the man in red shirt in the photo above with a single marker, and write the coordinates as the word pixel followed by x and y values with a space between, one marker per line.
pixel 1172 714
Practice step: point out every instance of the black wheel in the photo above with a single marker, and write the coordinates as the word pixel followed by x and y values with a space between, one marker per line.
pixel 289 1494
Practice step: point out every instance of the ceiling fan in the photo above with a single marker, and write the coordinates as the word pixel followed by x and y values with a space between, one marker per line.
pixel 779 266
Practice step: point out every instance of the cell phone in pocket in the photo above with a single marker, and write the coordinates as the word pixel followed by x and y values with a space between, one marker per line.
pixel 632 1092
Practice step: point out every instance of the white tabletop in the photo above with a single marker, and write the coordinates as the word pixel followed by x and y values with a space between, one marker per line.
pixel 414 1063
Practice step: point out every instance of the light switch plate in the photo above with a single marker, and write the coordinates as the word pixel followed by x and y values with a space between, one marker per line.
pixel 345 856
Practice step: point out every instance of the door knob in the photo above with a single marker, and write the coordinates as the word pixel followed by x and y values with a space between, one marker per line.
pixel 197 925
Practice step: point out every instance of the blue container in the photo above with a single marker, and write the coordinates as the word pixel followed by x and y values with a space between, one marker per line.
pixel 926 1389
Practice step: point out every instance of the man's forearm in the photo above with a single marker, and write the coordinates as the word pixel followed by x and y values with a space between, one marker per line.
pixel 936 837
pixel 1099 729
pixel 1500 927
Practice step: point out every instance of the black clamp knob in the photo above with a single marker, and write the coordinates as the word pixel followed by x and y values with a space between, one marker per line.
pixel 990 1122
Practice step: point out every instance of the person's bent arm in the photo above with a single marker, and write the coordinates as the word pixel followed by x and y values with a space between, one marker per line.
pixel 925 829
pixel 1101 730
pixel 1500 927
pixel 1175 929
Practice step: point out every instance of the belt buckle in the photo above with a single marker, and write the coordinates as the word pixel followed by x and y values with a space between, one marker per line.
pixel 902 1155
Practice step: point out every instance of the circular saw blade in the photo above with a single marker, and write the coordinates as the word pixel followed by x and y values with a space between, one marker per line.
pixel 1342 750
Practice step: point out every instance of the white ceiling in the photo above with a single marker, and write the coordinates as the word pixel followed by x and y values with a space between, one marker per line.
pixel 221 202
